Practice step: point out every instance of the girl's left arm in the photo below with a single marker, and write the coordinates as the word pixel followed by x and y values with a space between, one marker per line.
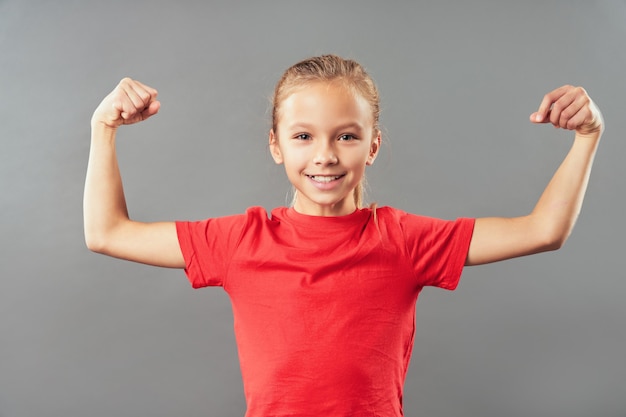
pixel 550 223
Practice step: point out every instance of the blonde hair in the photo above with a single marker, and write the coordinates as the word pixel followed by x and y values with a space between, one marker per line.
pixel 327 68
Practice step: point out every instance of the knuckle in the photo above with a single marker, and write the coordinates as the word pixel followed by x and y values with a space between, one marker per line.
pixel 557 109
pixel 145 96
pixel 567 113
pixel 580 91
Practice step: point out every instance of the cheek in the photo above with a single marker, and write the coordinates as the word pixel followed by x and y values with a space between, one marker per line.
pixel 293 160
pixel 360 158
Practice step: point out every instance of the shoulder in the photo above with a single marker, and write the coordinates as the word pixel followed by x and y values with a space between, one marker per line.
pixel 254 213
pixel 394 215
pixel 402 215
pixel 230 223
pixel 417 223
pixel 257 212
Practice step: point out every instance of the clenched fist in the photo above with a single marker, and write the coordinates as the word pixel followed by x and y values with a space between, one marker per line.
pixel 130 102
pixel 570 108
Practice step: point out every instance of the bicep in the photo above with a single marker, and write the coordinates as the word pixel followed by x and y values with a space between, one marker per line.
pixel 497 238
pixel 149 243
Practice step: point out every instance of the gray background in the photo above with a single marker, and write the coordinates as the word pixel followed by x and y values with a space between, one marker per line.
pixel 81 334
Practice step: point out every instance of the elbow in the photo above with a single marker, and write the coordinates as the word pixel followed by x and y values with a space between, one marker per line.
pixel 104 240
pixel 553 240
pixel 549 233
pixel 554 245
pixel 99 236
pixel 94 243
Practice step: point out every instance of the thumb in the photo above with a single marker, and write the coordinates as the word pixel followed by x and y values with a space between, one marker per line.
pixel 152 109
pixel 538 117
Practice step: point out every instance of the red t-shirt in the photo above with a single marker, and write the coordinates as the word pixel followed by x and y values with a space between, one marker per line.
pixel 324 307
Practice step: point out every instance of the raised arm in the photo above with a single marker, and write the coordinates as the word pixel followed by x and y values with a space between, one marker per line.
pixel 108 228
pixel 550 223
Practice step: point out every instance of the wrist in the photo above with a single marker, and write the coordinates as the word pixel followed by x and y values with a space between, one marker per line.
pixel 587 142
pixel 588 136
pixel 102 131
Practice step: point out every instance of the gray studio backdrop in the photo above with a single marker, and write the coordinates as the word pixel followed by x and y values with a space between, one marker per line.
pixel 85 335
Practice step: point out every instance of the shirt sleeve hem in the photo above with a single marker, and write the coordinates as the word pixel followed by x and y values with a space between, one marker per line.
pixel 466 230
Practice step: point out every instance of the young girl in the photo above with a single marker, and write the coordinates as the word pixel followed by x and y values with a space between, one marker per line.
pixel 324 292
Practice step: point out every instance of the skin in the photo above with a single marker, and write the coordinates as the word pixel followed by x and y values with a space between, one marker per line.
pixel 327 132
pixel 324 130
pixel 551 222
pixel 108 229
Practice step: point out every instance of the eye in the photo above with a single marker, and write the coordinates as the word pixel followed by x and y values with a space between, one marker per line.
pixel 347 137
pixel 303 136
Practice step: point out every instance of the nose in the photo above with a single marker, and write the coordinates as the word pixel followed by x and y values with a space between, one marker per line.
pixel 325 154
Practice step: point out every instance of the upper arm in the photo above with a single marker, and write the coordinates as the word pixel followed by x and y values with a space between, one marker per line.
pixel 496 239
pixel 149 243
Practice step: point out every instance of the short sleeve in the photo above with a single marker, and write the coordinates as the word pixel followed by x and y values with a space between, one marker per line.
pixel 208 246
pixel 437 248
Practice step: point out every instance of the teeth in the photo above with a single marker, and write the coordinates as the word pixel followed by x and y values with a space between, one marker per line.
pixel 324 178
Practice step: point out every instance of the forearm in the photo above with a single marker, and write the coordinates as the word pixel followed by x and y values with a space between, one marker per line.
pixel 550 223
pixel 104 205
pixel 558 207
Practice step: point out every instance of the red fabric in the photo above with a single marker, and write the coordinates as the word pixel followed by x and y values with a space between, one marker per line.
pixel 324 307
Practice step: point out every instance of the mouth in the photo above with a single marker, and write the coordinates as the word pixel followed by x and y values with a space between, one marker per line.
pixel 324 178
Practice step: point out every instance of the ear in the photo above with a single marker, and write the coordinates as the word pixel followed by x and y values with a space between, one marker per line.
pixel 274 148
pixel 374 148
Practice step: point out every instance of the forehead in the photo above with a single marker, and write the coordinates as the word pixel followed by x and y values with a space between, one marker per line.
pixel 324 103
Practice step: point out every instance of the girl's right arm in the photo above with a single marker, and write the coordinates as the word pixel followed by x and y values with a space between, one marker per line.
pixel 108 228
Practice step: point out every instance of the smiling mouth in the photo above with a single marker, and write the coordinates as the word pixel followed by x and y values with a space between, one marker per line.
pixel 325 178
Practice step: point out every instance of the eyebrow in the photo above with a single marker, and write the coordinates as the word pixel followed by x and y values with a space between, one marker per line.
pixel 307 126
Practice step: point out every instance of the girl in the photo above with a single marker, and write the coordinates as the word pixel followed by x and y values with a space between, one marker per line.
pixel 324 292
